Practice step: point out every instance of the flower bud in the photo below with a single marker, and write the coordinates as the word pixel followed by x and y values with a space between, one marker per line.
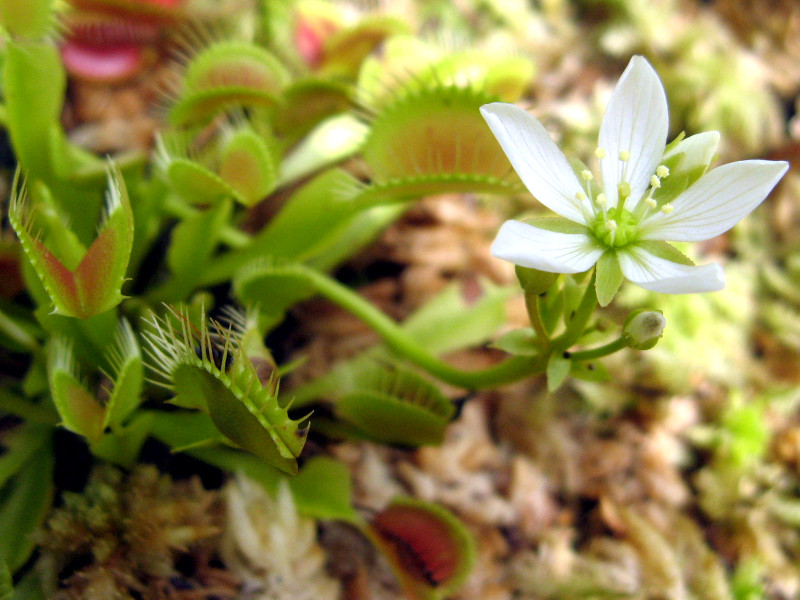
pixel 643 328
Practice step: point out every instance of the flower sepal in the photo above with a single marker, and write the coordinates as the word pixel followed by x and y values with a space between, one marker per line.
pixel 534 281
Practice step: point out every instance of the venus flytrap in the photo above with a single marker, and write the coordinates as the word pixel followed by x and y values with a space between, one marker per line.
pixel 208 370
pixel 81 409
pixel 80 282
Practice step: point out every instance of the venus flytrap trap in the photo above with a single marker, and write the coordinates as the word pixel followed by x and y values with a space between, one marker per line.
pixel 208 370
pixel 240 163
pixel 225 74
pixel 113 41
pixel 90 412
pixel 432 141
pixel 81 282
pixel 430 550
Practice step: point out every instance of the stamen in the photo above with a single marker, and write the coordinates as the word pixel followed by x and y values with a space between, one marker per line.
pixel 600 153
pixel 667 208
pixel 624 190
pixel 587 175
pixel 601 200
pixel 624 157
pixel 662 171
pixel 650 202
pixel 580 196
pixel 655 182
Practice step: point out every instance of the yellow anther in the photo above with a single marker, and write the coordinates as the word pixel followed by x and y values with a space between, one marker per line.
pixel 624 189
pixel 600 153
pixel 580 196
pixel 666 209
pixel 624 155
pixel 655 181
pixel 601 200
pixel 662 171
pixel 651 204
pixel 587 175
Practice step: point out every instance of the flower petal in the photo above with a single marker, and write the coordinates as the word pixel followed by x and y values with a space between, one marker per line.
pixel 667 277
pixel 636 121
pixel 719 200
pixel 535 157
pixel 551 251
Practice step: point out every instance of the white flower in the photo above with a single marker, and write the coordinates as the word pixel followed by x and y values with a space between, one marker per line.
pixel 623 225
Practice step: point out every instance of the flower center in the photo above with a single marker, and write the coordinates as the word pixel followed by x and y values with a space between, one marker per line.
pixel 615 227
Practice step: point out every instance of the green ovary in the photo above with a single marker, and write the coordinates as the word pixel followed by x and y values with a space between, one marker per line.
pixel 615 227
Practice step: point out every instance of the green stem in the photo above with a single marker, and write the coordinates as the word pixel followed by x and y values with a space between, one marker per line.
pixel 512 369
pixel 532 305
pixel 578 321
pixel 231 236
pixel 600 351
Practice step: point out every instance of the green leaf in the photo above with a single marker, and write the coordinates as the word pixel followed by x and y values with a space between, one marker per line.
pixel 449 321
pixel 6 583
pixel 609 277
pixel 193 241
pixel 123 445
pixel 20 445
pixel 429 549
pixel 309 223
pixel 33 87
pixel 310 217
pixel 31 19
pixel 322 490
pixel 330 142
pixel 24 502
pixel 589 371
pixel 29 587
pixel 307 102
pixel 558 367
pixel 521 342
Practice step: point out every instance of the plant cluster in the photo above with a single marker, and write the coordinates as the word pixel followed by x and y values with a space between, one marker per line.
pixel 146 292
